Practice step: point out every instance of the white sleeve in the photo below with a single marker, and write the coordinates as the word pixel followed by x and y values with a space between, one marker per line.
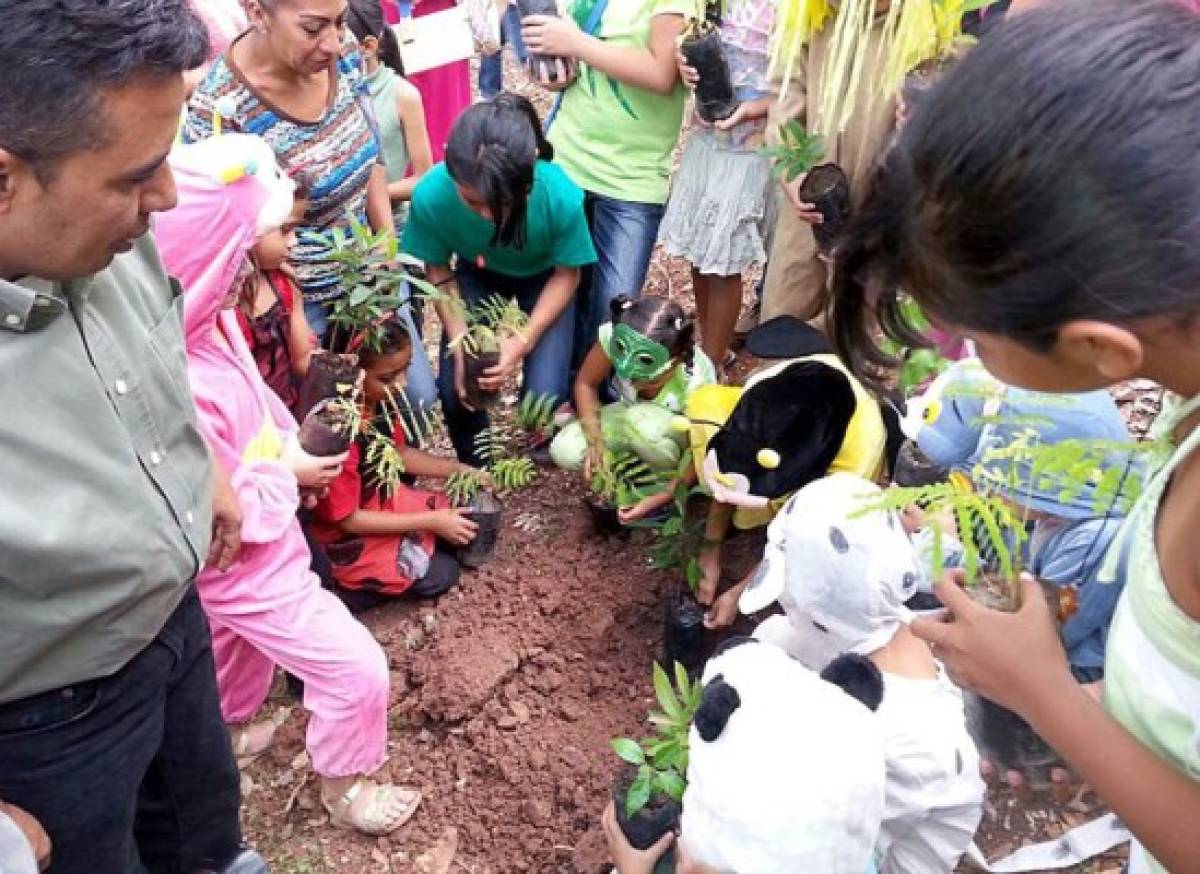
pixel 16 856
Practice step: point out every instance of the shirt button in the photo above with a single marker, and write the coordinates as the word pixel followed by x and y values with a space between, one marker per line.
pixel 156 458
pixel 121 386
pixel 191 517
pixel 12 319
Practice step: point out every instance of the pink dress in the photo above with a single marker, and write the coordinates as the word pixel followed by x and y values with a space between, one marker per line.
pixel 268 609
pixel 446 91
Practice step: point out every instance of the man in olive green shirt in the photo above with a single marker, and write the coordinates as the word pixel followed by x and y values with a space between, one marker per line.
pixel 110 730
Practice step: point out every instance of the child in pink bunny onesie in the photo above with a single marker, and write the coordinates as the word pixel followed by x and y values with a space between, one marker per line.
pixel 268 608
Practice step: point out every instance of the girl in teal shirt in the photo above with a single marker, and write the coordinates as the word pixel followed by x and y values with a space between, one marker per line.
pixel 497 218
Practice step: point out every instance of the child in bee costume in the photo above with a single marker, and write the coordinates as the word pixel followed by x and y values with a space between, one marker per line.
pixel 792 423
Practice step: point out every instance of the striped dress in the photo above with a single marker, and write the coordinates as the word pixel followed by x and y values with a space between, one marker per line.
pixel 334 156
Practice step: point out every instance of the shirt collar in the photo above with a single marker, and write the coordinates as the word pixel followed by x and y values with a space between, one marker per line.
pixel 29 304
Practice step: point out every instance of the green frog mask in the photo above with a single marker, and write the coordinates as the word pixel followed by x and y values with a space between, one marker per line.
pixel 634 357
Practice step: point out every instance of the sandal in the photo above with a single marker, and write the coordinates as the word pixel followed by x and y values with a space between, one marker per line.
pixel 241 737
pixel 367 812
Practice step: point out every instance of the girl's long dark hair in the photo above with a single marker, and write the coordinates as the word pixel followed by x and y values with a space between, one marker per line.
pixel 365 19
pixel 493 149
pixel 1052 175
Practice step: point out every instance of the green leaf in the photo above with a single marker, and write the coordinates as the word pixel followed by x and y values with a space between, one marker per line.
pixel 639 793
pixel 671 784
pixel 666 695
pixel 628 750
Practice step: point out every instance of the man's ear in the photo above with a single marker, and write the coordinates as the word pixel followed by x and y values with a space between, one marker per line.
pixel 10 166
pixel 1111 350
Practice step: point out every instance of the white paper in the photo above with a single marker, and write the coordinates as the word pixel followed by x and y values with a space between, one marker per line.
pixel 435 40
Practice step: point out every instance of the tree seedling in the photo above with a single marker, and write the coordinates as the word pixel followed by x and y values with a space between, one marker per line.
pixel 373 272
pixel 661 759
pixel 797 152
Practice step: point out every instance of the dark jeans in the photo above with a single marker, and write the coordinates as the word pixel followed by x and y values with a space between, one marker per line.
pixel 132 772
pixel 491 69
pixel 545 370
pixel 624 234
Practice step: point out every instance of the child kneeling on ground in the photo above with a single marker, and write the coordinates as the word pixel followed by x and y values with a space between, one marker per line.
pixel 268 609
pixel 391 542
pixel 842 579
pixel 648 345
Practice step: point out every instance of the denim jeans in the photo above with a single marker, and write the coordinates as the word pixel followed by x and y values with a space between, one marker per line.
pixel 132 772
pixel 545 369
pixel 491 69
pixel 422 387
pixel 624 234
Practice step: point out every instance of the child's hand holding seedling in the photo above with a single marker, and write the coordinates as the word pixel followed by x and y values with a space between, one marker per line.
pixel 990 652
pixel 310 470
pixel 625 857
pixel 513 349
pixel 646 506
pixel 454 526
pixel 687 72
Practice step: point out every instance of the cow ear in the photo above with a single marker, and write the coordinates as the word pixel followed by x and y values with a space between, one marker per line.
pixel 858 677
pixel 717 703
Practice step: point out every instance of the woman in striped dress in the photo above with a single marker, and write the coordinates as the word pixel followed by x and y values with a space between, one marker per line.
pixel 295 79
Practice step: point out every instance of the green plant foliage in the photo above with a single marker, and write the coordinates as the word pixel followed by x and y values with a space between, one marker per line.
pixel 462 487
pixel 917 366
pixel 678 536
pixel 373 273
pixel 536 412
pixel 488 322
pixel 797 152
pixel 662 758
pixel 981 520
pixel 622 479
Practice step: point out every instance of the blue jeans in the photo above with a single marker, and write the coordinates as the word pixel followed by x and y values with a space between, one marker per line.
pixel 546 369
pixel 624 234
pixel 422 387
pixel 131 772
pixel 491 69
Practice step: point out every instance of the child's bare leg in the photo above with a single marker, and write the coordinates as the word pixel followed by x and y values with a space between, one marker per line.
pixel 700 290
pixel 724 304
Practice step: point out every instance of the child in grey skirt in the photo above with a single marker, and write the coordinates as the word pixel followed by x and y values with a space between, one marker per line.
pixel 718 212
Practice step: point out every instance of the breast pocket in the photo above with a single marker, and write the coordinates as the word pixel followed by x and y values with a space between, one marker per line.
pixel 167 362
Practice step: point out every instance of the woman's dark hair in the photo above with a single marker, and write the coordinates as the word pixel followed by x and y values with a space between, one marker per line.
pixel 657 318
pixel 1053 174
pixel 365 18
pixel 60 56
pixel 392 337
pixel 493 150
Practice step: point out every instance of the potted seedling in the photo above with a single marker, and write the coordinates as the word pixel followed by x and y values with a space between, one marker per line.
pixel 648 792
pixel 677 541
pixel 329 376
pixel 498 450
pixel 704 52
pixel 375 279
pixel 488 323
pixel 620 480
pixel 546 69
pixel 993 531
pixel 825 186
pixel 331 426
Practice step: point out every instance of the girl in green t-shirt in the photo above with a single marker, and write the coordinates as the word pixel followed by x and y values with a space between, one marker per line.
pixel 648 347
pixel 497 218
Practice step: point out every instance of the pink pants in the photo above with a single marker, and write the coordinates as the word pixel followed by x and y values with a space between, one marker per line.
pixel 344 670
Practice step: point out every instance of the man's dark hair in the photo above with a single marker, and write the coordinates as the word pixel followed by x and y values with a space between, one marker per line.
pixel 60 55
